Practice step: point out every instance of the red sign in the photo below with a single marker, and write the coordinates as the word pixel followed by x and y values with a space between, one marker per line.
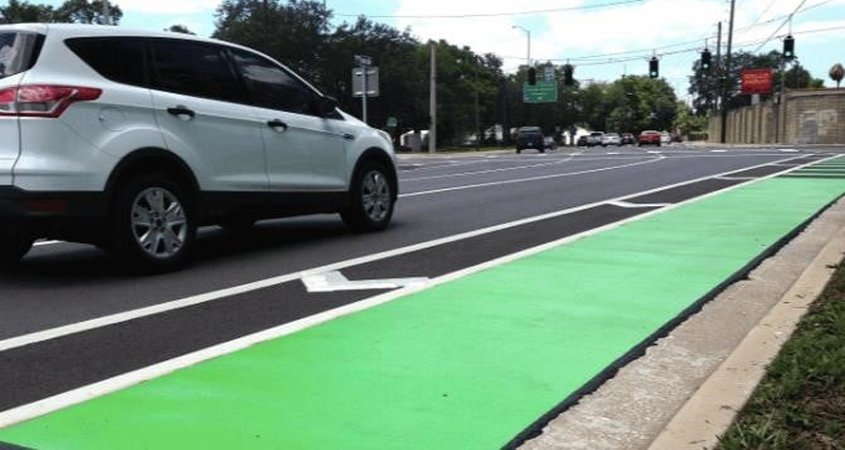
pixel 757 81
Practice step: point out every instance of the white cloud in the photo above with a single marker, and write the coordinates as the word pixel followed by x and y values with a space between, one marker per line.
pixel 167 6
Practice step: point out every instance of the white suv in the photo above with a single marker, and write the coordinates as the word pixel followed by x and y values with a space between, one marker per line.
pixel 131 140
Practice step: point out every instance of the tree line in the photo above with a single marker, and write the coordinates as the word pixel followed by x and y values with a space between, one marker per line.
pixel 303 35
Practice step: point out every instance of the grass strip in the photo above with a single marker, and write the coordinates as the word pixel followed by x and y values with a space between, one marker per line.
pixel 800 404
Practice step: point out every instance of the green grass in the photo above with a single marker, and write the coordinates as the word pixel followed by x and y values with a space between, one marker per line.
pixel 800 403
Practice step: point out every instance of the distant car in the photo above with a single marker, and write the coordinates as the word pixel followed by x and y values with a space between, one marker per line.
pixel 549 143
pixel 530 137
pixel 649 137
pixel 665 137
pixel 628 138
pixel 676 137
pixel 611 139
pixel 594 138
pixel 582 141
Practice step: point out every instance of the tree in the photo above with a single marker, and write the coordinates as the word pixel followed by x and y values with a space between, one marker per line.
pixel 836 73
pixel 179 28
pixel 71 11
pixel 83 11
pixel 20 11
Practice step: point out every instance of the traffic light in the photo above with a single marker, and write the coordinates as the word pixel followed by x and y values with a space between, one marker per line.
pixel 789 48
pixel 532 76
pixel 706 60
pixel 653 67
pixel 568 80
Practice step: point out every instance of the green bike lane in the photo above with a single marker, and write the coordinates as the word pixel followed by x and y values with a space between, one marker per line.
pixel 470 363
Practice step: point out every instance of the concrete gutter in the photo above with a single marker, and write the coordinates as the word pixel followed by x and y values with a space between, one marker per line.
pixel 685 391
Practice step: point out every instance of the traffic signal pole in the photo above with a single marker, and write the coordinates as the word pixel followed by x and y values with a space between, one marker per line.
pixel 727 74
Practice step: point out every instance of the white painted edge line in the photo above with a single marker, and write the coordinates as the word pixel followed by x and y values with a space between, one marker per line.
pixel 40 243
pixel 91 391
pixel 524 180
pixel 735 178
pixel 52 333
pixel 789 150
pixel 718 151
pixel 629 205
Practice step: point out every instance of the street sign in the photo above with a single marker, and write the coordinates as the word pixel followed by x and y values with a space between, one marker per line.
pixel 363 60
pixel 757 81
pixel 542 92
pixel 392 122
pixel 549 73
pixel 358 82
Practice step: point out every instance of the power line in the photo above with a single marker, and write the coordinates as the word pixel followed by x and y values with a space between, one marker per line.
pixel 497 14
pixel 788 18
pixel 675 52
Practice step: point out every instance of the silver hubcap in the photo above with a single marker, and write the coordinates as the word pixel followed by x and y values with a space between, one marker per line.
pixel 158 222
pixel 376 196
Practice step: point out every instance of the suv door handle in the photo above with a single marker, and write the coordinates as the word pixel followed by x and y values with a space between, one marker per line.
pixel 181 111
pixel 277 125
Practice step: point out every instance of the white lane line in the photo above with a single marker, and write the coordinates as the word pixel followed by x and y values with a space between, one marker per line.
pixel 735 178
pixel 91 391
pixel 789 150
pixel 524 180
pixel 613 153
pixel 44 335
pixel 622 204
pixel 335 281
pixel 718 151
pixel 479 172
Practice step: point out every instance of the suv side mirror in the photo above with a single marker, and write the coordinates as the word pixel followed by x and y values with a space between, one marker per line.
pixel 323 105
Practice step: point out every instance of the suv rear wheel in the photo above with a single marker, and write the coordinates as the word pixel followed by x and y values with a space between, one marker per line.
pixel 372 200
pixel 152 224
pixel 13 245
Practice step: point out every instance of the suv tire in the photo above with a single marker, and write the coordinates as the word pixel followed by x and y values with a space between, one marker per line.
pixel 372 200
pixel 152 224
pixel 13 245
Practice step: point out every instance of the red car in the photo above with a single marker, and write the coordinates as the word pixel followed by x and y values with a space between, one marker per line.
pixel 649 137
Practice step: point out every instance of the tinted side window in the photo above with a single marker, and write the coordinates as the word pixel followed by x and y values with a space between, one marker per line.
pixel 117 59
pixel 272 87
pixel 18 52
pixel 196 69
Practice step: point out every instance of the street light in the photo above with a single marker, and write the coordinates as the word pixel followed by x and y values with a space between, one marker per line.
pixel 528 32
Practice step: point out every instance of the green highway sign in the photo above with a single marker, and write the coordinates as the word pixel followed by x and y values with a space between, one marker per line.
pixel 542 92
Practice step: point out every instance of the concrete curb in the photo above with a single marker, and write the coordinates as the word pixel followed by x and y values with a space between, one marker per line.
pixel 713 408
pixel 639 405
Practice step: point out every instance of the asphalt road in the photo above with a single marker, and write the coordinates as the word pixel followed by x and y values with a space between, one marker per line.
pixel 60 314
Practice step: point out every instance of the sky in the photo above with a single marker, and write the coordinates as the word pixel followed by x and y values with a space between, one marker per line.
pixel 581 31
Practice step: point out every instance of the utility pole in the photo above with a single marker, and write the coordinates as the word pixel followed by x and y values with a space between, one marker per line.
pixel 719 73
pixel 727 75
pixel 480 134
pixel 432 107
pixel 106 13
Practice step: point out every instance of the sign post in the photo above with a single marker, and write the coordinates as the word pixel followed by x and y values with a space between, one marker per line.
pixel 365 82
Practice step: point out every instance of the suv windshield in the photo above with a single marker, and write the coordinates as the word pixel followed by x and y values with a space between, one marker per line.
pixel 18 51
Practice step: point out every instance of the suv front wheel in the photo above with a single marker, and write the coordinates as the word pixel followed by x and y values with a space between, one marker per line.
pixel 152 224
pixel 372 200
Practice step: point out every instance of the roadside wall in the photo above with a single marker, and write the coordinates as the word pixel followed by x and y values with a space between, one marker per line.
pixel 808 116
